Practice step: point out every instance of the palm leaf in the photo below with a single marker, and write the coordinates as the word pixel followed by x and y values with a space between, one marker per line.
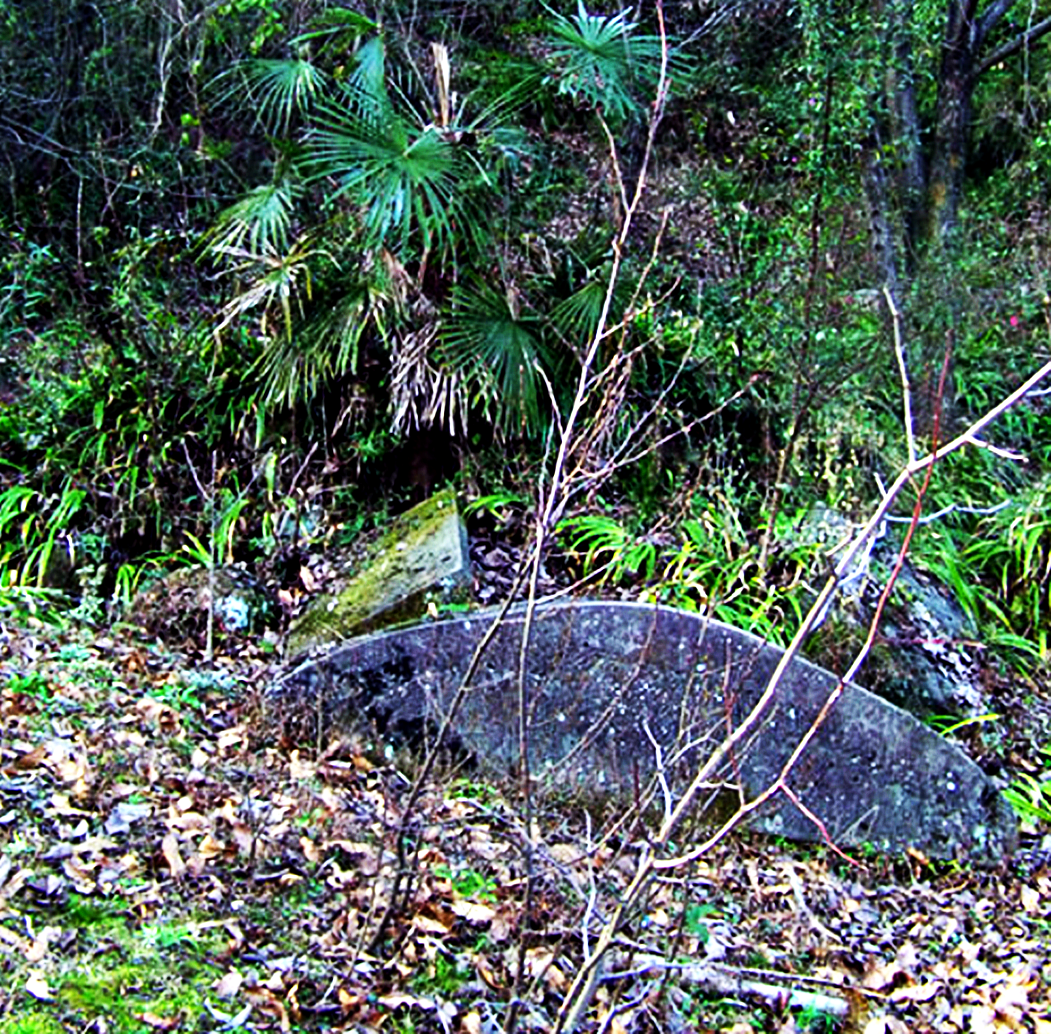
pixel 259 222
pixel 277 88
pixel 406 180
pixel 336 28
pixel 296 366
pixel 276 281
pixel 577 316
pixel 499 350
pixel 604 61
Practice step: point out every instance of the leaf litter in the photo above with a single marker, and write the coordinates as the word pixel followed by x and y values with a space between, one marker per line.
pixel 166 865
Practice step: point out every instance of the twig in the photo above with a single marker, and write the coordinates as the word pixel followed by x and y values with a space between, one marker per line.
pixel 903 372
pixel 722 980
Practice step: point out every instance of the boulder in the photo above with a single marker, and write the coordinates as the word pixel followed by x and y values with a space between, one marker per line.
pixel 420 560
pixel 612 687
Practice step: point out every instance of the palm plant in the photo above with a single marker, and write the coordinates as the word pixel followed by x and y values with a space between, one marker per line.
pixel 605 62
pixel 403 181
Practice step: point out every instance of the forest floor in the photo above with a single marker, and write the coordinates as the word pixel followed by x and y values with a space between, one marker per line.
pixel 166 864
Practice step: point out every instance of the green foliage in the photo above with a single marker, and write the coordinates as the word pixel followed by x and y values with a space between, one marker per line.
pixel 499 351
pixel 603 61
pixel 412 183
pixel 716 568
pixel 608 552
pixel 468 883
pixel 1030 796
pixel 30 1022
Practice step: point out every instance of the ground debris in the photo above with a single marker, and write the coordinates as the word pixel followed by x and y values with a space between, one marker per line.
pixel 147 822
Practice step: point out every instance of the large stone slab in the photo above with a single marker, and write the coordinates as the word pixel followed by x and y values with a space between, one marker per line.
pixel 423 554
pixel 609 682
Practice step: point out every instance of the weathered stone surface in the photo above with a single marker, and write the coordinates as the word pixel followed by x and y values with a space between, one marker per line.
pixel 176 606
pixel 422 555
pixel 608 681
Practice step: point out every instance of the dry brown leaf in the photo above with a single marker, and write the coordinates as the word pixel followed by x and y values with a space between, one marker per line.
pixel 81 874
pixel 349 1002
pixel 917 992
pixel 229 984
pixel 473 912
pixel 428 924
pixel 34 759
pixel 397 999
pixel 151 1019
pixel 300 768
pixel 37 986
pixel 266 1001
pixel 15 883
pixel 210 848
pixel 39 948
pixel 11 941
pixel 170 850
pixel 488 974
pixel 232 737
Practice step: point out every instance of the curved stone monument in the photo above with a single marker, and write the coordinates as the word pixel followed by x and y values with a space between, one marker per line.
pixel 610 683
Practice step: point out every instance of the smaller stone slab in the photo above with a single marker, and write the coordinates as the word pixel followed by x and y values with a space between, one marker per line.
pixel 613 687
pixel 421 558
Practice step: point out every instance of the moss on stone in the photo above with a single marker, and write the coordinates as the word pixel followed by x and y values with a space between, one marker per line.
pixel 420 559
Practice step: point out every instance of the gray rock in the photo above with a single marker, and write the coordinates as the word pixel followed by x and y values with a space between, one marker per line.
pixel 176 606
pixel 609 683
pixel 422 557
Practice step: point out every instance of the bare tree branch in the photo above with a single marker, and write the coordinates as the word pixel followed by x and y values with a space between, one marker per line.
pixel 1041 28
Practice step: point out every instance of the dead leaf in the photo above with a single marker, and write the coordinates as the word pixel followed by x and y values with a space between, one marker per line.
pixel 170 850
pixel 38 949
pixel 231 737
pixel 11 941
pixel 37 986
pixel 300 768
pixel 917 992
pixel 397 999
pixel 229 984
pixel 151 1019
pixel 349 1002
pixel 427 924
pixel 473 912
pixel 267 1001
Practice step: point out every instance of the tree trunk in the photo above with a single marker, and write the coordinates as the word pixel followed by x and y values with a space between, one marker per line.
pixel 952 121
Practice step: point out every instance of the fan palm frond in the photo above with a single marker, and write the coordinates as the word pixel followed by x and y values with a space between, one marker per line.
pixel 294 367
pixel 605 61
pixel 577 316
pixel 258 223
pixel 336 28
pixel 499 350
pixel 276 281
pixel 277 88
pixel 366 86
pixel 406 180
pixel 283 88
